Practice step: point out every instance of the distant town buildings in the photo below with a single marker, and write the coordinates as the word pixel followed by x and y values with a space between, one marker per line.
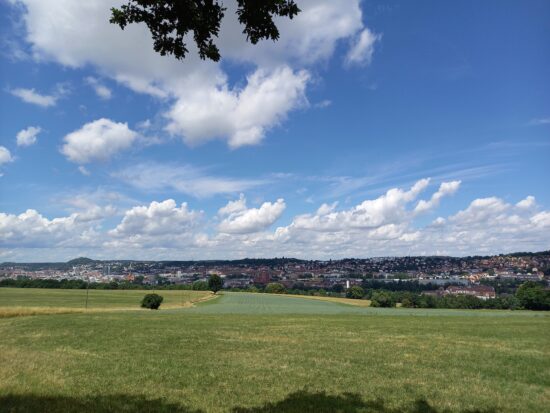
pixel 465 274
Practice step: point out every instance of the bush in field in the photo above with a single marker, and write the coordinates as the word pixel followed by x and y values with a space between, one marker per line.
pixel 215 283
pixel 355 292
pixel 151 301
pixel 275 288
pixel 382 299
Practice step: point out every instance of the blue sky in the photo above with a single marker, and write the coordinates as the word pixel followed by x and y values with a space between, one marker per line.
pixel 371 128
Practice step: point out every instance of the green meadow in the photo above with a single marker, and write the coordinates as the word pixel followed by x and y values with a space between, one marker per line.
pixel 243 352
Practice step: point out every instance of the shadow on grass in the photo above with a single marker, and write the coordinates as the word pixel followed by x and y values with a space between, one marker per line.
pixel 298 402
pixel 100 404
pixel 303 401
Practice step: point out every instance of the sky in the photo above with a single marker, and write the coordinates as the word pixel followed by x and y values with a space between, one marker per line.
pixel 371 128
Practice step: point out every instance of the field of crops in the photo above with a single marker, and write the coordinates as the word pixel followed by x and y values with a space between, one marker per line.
pixel 44 301
pixel 265 353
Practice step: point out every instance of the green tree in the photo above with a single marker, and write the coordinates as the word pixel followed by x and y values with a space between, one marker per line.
pixel 275 288
pixel 533 296
pixel 355 292
pixel 215 283
pixel 169 21
pixel 152 301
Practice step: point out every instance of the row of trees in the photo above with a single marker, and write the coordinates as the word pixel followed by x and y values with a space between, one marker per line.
pixel 530 296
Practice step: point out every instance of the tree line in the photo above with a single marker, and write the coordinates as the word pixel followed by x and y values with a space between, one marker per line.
pixel 529 295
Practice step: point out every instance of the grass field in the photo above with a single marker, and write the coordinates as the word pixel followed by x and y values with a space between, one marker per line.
pixel 32 301
pixel 263 353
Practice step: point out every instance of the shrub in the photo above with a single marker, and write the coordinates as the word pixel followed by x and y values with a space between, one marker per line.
pixel 355 292
pixel 382 299
pixel 275 288
pixel 152 301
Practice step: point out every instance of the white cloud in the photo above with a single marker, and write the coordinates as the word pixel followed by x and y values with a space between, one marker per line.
pixel 30 229
pixel 98 141
pixel 184 179
pixel 204 104
pixel 161 225
pixel 541 220
pixel 445 189
pixel 243 220
pixel 242 116
pixel 528 202
pixel 27 137
pixel 159 218
pixel 388 208
pixel 31 96
pixel 164 230
pixel 310 37
pixel 5 155
pixel 83 170
pixel 100 89
pixel 362 49
pixel 233 207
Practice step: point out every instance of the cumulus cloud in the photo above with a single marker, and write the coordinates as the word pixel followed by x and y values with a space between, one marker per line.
pixel 362 49
pixel 204 104
pixel 100 89
pixel 27 137
pixel 158 225
pixel 241 116
pixel 5 155
pixel 185 179
pixel 445 189
pixel 528 202
pixel 35 98
pixel 233 207
pixel 159 218
pixel 30 229
pixel 98 141
pixel 382 226
pixel 488 226
pixel 387 209
pixel 242 220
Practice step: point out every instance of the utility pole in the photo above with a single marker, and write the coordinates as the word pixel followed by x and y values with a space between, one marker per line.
pixel 87 290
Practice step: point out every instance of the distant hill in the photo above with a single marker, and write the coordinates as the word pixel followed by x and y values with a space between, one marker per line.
pixel 80 261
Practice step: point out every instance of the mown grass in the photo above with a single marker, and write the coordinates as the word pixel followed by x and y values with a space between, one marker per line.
pixel 270 360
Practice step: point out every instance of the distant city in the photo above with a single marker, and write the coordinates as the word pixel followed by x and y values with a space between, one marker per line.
pixel 295 273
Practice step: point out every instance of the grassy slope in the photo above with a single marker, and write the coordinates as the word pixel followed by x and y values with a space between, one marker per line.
pixel 247 353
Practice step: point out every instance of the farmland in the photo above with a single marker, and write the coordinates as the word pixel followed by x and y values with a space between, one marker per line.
pixel 267 353
pixel 14 301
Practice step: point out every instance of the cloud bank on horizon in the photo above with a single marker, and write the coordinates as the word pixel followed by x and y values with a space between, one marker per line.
pixel 118 152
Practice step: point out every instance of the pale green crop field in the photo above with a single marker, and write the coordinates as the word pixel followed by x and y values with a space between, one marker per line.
pixel 262 353
pixel 247 303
